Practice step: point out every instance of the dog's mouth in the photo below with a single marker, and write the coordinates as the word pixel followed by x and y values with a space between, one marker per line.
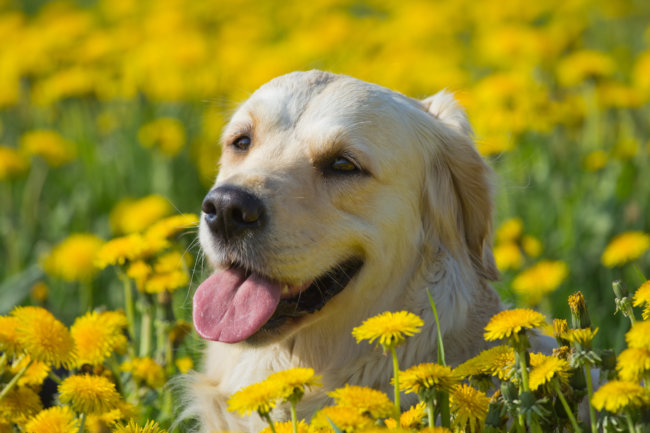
pixel 232 305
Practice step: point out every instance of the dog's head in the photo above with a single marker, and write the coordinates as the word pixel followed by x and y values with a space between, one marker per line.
pixel 330 191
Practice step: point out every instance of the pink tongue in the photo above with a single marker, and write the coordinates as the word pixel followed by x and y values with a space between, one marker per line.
pixel 229 307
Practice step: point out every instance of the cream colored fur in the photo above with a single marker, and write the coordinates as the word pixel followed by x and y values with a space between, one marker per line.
pixel 421 218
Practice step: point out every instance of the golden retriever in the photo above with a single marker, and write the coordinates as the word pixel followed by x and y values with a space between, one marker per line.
pixel 337 200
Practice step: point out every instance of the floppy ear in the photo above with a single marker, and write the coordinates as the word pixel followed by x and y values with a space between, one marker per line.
pixel 459 189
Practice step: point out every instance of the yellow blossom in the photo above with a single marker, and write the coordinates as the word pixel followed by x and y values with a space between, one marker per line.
pixel 495 361
pixel 531 245
pixel 582 336
pixel 294 380
pixel 169 226
pixel 537 281
pixel 616 395
pixel 639 335
pixel 49 145
pixel 57 419
pixel 131 216
pixel 436 429
pixel 560 328
pixel 508 256
pixel 287 427
pixel 390 328
pixel 43 336
pixel 168 281
pixel 469 407
pixel 139 271
pixel 127 248
pixel 624 248
pixel 20 404
pixel 581 65
pixel 259 397
pixel 132 427
pixel 166 134
pixel 547 369
pixel 427 376
pixel 88 393
pixel 97 336
pixel 510 230
pixel 345 418
pixel 74 258
pixel 510 323
pixel 12 163
pixel 642 298
pixel 366 401
pixel 184 364
pixel 8 337
pixel 633 364
pixel 596 160
pixel 102 422
pixel 145 370
pixel 35 374
pixel 39 292
pixel 412 418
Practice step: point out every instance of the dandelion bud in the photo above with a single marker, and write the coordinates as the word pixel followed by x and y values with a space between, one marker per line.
pixel 560 329
pixel 619 289
pixel 579 313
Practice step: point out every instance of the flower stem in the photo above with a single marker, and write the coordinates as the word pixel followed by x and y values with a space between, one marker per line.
pixel 630 424
pixel 445 417
pixel 430 417
pixel 398 407
pixel 14 380
pixel 590 393
pixel 441 348
pixel 523 368
pixel 567 409
pixel 128 304
pixel 267 418
pixel 294 417
pixel 82 423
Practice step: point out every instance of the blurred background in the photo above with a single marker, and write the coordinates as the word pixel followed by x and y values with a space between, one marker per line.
pixel 111 111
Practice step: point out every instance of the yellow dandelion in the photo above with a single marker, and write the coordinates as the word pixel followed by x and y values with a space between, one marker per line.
pixel 20 404
pixel 166 134
pixel 639 335
pixel 127 248
pixel 508 256
pixel 582 336
pixel 390 328
pixel 583 64
pixel 510 230
pixel 35 374
pixel 8 336
pixel 171 261
pixel 495 361
pixel 132 427
pixel 57 419
pixel 413 418
pixel 624 248
pixel 427 376
pixel 434 430
pixel 547 369
pixel 184 364
pixel 510 323
pixel 596 160
pixel 345 418
pixel 88 393
pixel 286 427
pixel 294 381
pixel 531 245
pixel 366 401
pixel 633 364
pixel 145 370
pixel 537 281
pixel 131 216
pixel 74 258
pixel 469 407
pixel 43 336
pixel 49 145
pixel 560 328
pixel 103 422
pixel 642 298
pixel 259 397
pixel 39 292
pixel 139 271
pixel 97 336
pixel 168 281
pixel 12 163
pixel 169 226
pixel 616 395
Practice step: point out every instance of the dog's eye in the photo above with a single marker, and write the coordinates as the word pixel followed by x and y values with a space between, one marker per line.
pixel 242 142
pixel 343 165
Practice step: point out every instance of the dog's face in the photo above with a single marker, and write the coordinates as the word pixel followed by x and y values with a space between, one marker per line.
pixel 323 199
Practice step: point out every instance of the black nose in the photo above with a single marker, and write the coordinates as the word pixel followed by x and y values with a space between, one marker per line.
pixel 231 211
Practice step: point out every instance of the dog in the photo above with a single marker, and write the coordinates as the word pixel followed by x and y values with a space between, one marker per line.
pixel 336 200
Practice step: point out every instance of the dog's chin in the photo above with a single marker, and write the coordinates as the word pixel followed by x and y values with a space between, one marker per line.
pixel 294 310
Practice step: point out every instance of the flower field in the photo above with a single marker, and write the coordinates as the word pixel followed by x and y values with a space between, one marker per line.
pixel 110 117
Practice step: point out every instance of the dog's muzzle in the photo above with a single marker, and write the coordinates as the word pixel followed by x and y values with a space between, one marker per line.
pixel 231 212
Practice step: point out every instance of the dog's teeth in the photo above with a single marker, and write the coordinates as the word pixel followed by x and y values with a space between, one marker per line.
pixel 285 290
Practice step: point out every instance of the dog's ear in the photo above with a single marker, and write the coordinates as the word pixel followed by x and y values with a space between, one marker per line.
pixel 459 188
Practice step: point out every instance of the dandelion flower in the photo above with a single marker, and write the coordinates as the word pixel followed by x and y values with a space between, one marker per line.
pixel 633 364
pixel 531 245
pixel 74 258
pixel 616 395
pixel 510 230
pixel 259 397
pixel 345 418
pixel 166 134
pixel 510 323
pixel 8 336
pixel 582 64
pixel 435 430
pixel 145 370
pixel 43 336
pixel 97 336
pixel 12 163
pixel 366 401
pixel 132 216
pixel 168 281
pixel 139 271
pixel 642 298
pixel 35 374
pixel 286 427
pixel 495 361
pixel 127 248
pixel 582 336
pixel 106 421
pixel 469 406
pixel 624 248
pixel 132 427
pixel 88 393
pixel 20 404
pixel 412 418
pixel 537 281
pixel 169 226
pixel 427 376
pixel 390 328
pixel 560 328
pixel 546 370
pixel 294 381
pixel 508 256
pixel 184 364
pixel 57 419
pixel 49 145
pixel 639 335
